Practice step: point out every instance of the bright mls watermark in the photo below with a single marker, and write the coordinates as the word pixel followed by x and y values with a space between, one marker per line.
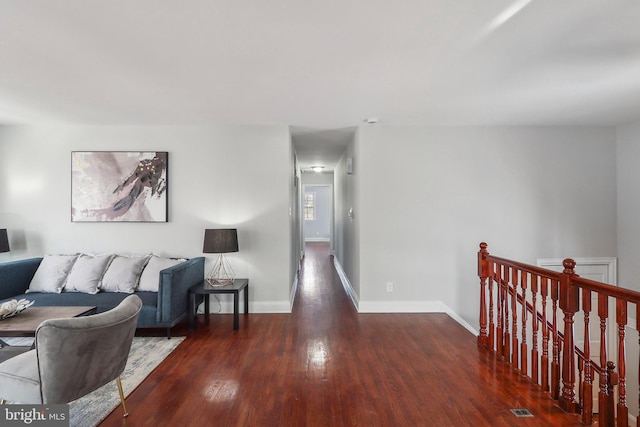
pixel 34 415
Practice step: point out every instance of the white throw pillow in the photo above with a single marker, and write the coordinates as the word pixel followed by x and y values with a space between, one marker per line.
pixel 52 273
pixel 123 274
pixel 87 273
pixel 150 279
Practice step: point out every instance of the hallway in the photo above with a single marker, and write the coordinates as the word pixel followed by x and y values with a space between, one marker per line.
pixel 326 365
pixel 396 369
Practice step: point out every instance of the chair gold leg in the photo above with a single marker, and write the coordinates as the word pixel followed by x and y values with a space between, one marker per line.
pixel 124 408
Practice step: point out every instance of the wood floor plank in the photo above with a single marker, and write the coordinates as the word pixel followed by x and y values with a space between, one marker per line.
pixel 326 365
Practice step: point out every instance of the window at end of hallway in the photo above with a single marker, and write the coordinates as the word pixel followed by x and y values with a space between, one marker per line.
pixel 309 206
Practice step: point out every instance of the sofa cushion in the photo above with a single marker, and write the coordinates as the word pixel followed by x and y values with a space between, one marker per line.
pixel 87 273
pixel 150 278
pixel 52 273
pixel 123 274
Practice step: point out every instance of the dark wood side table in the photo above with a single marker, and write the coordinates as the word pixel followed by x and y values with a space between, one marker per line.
pixel 203 288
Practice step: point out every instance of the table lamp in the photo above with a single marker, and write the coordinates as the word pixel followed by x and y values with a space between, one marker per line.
pixel 220 241
pixel 4 240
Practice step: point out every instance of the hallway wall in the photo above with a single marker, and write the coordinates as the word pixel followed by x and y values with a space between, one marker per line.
pixel 347 219
pixel 429 195
pixel 628 212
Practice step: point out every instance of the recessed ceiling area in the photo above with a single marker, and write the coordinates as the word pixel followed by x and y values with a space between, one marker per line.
pixel 320 67
pixel 320 147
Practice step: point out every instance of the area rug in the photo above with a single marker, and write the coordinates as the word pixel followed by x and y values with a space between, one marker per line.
pixel 145 355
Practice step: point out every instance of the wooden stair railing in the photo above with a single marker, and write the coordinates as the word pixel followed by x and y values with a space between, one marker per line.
pixel 518 301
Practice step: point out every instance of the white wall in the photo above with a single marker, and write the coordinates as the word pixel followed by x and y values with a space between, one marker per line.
pixel 628 157
pixel 347 229
pixel 423 198
pixel 429 195
pixel 339 209
pixel 217 178
pixel 295 223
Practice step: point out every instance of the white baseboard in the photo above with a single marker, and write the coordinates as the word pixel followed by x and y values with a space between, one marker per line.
pixel 317 239
pixel 226 306
pixel 413 307
pixel 461 321
pixel 346 284
pixel 401 307
pixel 269 307
pixel 292 294
pixel 398 306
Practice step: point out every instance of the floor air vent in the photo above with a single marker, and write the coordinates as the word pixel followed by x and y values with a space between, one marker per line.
pixel 520 413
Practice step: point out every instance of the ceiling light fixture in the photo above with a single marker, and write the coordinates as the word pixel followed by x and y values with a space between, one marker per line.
pixel 317 169
pixel 371 120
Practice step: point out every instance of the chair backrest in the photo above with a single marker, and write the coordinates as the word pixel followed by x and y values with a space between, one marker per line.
pixel 78 355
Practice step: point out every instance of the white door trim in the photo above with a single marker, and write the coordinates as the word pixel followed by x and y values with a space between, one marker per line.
pixel 610 262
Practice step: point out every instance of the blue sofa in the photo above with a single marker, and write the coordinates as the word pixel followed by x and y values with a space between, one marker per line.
pixel 160 309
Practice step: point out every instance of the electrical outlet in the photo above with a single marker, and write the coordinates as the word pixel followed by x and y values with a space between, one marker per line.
pixel 389 286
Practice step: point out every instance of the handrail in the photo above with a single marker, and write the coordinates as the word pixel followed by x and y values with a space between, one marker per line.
pixel 509 323
pixel 603 288
pixel 582 282
pixel 550 274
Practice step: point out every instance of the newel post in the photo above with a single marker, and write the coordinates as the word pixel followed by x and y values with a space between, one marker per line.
pixel 483 273
pixel 569 304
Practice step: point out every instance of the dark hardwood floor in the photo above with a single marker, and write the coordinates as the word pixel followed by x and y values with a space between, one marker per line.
pixel 327 365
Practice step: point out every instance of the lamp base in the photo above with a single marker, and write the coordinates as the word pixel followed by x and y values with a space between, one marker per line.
pixel 221 273
pixel 217 283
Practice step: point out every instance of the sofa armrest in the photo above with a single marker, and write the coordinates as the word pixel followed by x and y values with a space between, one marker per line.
pixel 15 276
pixel 174 288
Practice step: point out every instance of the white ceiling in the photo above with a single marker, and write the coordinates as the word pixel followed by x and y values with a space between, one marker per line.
pixel 320 66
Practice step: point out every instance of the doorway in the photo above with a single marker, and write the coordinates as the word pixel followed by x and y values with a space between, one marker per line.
pixel 317 213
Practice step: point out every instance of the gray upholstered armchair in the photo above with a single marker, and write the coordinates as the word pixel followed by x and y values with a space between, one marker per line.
pixel 93 348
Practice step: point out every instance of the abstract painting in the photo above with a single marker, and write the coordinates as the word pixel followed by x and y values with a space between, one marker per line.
pixel 119 186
